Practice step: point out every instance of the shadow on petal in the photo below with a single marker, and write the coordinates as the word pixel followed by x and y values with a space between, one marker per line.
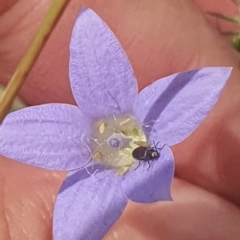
pixel 80 175
pixel 173 107
pixel 87 207
pixel 166 97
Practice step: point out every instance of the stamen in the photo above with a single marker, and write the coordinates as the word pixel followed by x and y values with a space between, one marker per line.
pixel 135 132
pixel 115 137
pixel 140 143
pixel 126 121
pixel 125 132
pixel 123 170
pixel 97 155
pixel 102 127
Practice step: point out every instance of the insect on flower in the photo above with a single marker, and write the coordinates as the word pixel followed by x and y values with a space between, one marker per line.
pixel 107 128
pixel 146 154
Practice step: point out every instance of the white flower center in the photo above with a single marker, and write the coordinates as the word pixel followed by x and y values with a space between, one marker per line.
pixel 114 139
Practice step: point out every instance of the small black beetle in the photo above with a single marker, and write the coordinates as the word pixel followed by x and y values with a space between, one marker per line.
pixel 146 154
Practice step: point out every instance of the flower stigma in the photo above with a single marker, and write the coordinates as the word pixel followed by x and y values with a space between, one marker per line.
pixel 114 139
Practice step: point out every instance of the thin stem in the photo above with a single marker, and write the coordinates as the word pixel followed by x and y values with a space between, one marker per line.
pixel 27 62
pixel 235 20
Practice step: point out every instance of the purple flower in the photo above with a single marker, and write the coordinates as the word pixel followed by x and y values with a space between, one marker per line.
pixel 103 131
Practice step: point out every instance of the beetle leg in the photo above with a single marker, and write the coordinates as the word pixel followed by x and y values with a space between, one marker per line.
pixel 148 165
pixel 137 166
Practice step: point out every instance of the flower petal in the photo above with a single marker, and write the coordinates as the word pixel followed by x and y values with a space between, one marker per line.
pixel 88 204
pixel 102 79
pixel 173 107
pixel 52 136
pixel 145 185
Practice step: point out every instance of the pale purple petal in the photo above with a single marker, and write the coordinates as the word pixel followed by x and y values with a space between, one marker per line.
pixel 145 185
pixel 173 107
pixel 88 204
pixel 102 79
pixel 52 136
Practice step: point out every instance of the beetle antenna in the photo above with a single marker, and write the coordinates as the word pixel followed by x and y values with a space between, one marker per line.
pixel 161 146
